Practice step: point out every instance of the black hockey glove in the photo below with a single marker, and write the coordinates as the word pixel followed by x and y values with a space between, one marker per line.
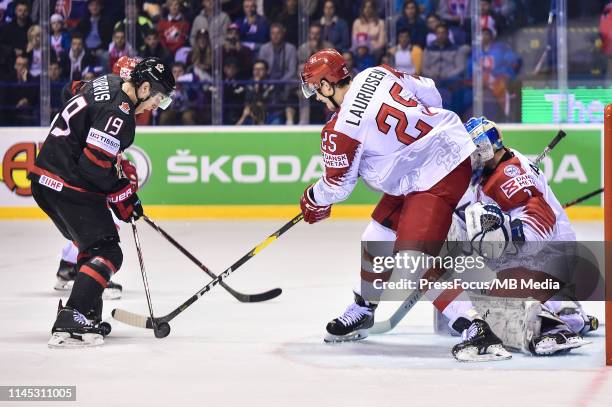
pixel 125 203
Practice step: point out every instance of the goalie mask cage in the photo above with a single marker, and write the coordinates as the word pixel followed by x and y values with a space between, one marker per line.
pixel 608 227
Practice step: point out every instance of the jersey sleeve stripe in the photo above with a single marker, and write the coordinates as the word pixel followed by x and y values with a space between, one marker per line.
pixel 100 163
pixel 96 148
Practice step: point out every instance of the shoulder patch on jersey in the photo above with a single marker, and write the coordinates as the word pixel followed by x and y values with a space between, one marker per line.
pixel 104 141
pixel 516 184
pixel 125 107
pixel 335 160
pixel 512 171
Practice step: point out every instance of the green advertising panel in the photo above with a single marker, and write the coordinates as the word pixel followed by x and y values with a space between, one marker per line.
pixel 273 168
pixel 582 105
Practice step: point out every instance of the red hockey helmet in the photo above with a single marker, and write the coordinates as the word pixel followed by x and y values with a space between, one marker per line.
pixel 326 64
pixel 124 66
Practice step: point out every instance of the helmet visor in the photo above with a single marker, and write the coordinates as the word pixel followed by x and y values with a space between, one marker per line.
pixel 166 99
pixel 308 89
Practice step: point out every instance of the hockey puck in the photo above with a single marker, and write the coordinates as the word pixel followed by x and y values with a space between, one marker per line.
pixel 162 330
pixel 106 328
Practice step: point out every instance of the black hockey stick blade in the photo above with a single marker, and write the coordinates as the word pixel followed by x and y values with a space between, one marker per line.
pixel 259 297
pixel 550 146
pixel 141 321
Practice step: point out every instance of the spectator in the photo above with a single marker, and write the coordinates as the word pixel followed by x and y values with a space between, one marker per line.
pixel 442 59
pixel 370 26
pixel 91 72
pixel 25 97
pixel 96 28
pixel 153 48
pixel 313 44
pixel 454 12
pixel 76 59
pixel 487 21
pixel 254 29
pixel 350 62
pixel 55 72
pixel 15 34
pixel 426 7
pixel 200 56
pixel 181 110
pixel 288 17
pixel 411 20
pixel 605 30
pixel 233 92
pixel 281 57
pixel 233 48
pixel 258 96
pixel 60 39
pixel 216 26
pixel 118 48
pixel 500 66
pixel 174 29
pixel 335 29
pixel 363 55
pixel 407 57
pixel 33 51
pixel 456 35
pixel 445 63
pixel 144 25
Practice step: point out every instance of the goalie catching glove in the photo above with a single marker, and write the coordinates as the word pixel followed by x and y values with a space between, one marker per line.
pixel 125 203
pixel 490 230
pixel 312 212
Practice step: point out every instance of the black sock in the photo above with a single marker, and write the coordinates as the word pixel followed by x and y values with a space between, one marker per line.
pixel 86 293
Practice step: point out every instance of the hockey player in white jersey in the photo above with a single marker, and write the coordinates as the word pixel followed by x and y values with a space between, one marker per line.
pixel 511 190
pixel 390 129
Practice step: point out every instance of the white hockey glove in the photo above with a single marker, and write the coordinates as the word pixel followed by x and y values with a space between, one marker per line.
pixel 489 229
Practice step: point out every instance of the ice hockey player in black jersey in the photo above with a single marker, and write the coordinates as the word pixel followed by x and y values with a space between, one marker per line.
pixel 75 177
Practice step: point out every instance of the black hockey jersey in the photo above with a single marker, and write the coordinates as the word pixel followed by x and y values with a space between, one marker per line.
pixel 92 128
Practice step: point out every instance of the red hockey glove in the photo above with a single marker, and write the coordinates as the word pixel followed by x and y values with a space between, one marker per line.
pixel 129 171
pixel 125 203
pixel 312 212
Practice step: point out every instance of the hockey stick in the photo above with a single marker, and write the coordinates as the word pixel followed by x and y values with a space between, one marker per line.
pixel 388 324
pixel 150 322
pixel 265 296
pixel 156 327
pixel 549 147
pixel 583 198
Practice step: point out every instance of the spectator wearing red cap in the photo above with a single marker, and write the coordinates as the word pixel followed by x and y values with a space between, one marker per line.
pixel 216 26
pixel 174 29
pixel 233 48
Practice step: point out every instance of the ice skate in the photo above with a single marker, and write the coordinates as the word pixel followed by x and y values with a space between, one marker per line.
pixel 353 324
pixel 66 274
pixel 73 330
pixel 479 344
pixel 559 342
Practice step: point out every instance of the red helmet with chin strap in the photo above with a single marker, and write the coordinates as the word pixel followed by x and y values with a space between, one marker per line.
pixel 326 64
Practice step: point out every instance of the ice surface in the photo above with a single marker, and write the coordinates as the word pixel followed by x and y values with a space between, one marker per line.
pixel 224 353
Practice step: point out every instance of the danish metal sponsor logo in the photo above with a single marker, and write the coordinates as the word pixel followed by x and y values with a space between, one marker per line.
pixel 512 186
pixel 104 141
pixel 51 183
pixel 335 160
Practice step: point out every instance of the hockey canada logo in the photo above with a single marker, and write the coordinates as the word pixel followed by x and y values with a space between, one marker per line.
pixel 125 107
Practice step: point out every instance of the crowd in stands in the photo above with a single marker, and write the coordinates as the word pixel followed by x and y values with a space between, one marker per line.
pixel 262 56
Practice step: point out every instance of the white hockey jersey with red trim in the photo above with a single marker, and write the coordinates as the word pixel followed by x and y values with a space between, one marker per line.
pixel 521 190
pixel 391 131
